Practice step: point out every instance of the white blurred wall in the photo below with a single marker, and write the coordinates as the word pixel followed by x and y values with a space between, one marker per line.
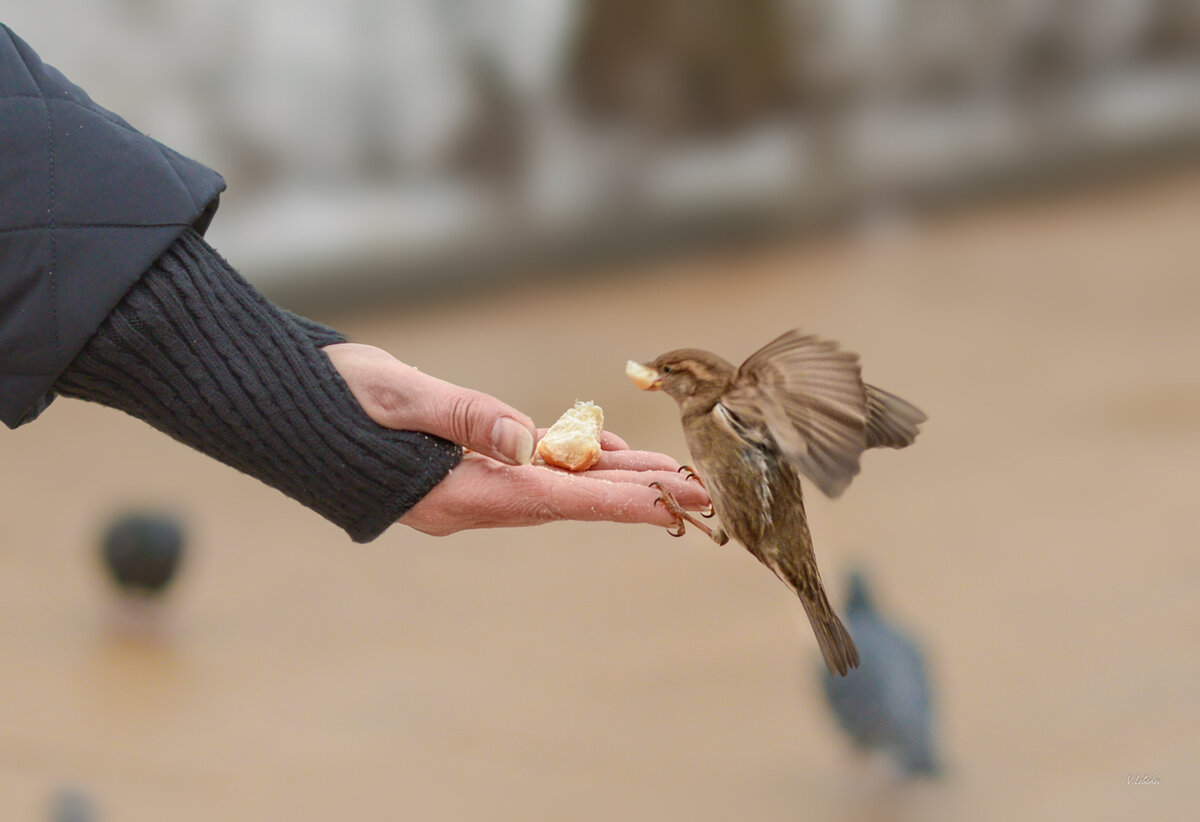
pixel 341 124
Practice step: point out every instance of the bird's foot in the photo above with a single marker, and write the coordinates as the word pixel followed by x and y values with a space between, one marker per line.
pixel 668 501
pixel 692 475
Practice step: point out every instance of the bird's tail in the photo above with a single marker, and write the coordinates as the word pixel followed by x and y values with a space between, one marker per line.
pixel 891 421
pixel 832 637
pixel 797 567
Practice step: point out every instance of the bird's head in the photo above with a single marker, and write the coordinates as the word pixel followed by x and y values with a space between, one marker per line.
pixel 689 376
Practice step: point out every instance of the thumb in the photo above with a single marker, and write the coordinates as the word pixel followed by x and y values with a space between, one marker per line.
pixel 399 396
pixel 478 421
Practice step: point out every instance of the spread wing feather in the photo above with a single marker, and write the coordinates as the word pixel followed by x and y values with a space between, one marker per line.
pixel 809 394
pixel 891 421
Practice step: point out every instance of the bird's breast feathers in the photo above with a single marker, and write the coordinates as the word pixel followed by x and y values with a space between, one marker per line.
pixel 738 468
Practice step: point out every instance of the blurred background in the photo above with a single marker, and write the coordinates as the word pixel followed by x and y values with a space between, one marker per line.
pixel 994 203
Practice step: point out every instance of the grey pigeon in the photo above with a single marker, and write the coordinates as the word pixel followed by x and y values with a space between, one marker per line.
pixel 142 552
pixel 70 804
pixel 884 705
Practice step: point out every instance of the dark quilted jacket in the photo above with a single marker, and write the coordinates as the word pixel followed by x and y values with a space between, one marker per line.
pixel 87 204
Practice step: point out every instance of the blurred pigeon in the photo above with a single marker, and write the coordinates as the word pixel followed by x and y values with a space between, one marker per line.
pixel 885 704
pixel 142 552
pixel 71 805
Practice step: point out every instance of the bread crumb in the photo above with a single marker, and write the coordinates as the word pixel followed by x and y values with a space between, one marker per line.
pixel 573 442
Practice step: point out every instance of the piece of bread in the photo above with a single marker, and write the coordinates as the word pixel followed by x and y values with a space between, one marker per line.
pixel 574 441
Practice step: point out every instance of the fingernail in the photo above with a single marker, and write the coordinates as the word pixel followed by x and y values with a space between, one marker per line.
pixel 512 441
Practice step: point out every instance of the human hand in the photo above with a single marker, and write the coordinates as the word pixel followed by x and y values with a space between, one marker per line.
pixel 495 485
pixel 483 493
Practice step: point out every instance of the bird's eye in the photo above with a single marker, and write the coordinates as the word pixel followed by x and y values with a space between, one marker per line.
pixel 666 369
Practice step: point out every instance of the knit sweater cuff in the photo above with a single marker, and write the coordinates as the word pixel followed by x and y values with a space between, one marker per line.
pixel 318 334
pixel 197 352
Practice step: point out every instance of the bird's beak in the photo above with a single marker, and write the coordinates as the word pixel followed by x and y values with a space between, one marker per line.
pixel 644 378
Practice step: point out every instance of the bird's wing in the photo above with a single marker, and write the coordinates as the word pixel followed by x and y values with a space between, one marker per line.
pixel 891 421
pixel 809 395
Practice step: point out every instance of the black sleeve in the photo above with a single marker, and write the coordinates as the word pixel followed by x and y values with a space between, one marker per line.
pixel 318 334
pixel 87 204
pixel 197 352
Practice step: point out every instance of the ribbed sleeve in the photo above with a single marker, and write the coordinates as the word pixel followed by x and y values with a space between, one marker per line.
pixel 318 334
pixel 197 352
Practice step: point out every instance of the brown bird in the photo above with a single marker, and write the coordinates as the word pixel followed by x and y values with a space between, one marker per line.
pixel 797 406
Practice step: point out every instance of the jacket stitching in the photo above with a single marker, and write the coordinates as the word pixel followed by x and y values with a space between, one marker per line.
pixel 166 152
pixel 88 226
pixel 94 108
pixel 169 159
pixel 53 232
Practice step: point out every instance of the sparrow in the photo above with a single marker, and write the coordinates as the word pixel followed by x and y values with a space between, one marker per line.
pixel 796 407
pixel 887 705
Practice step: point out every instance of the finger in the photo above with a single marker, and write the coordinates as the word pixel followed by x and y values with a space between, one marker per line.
pixel 635 461
pixel 588 499
pixel 482 493
pixel 689 494
pixel 611 442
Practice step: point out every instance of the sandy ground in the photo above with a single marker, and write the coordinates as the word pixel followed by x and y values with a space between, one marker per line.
pixel 1041 538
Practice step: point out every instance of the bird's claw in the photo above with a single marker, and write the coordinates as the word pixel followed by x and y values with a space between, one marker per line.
pixel 667 500
pixel 678 529
pixel 692 475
